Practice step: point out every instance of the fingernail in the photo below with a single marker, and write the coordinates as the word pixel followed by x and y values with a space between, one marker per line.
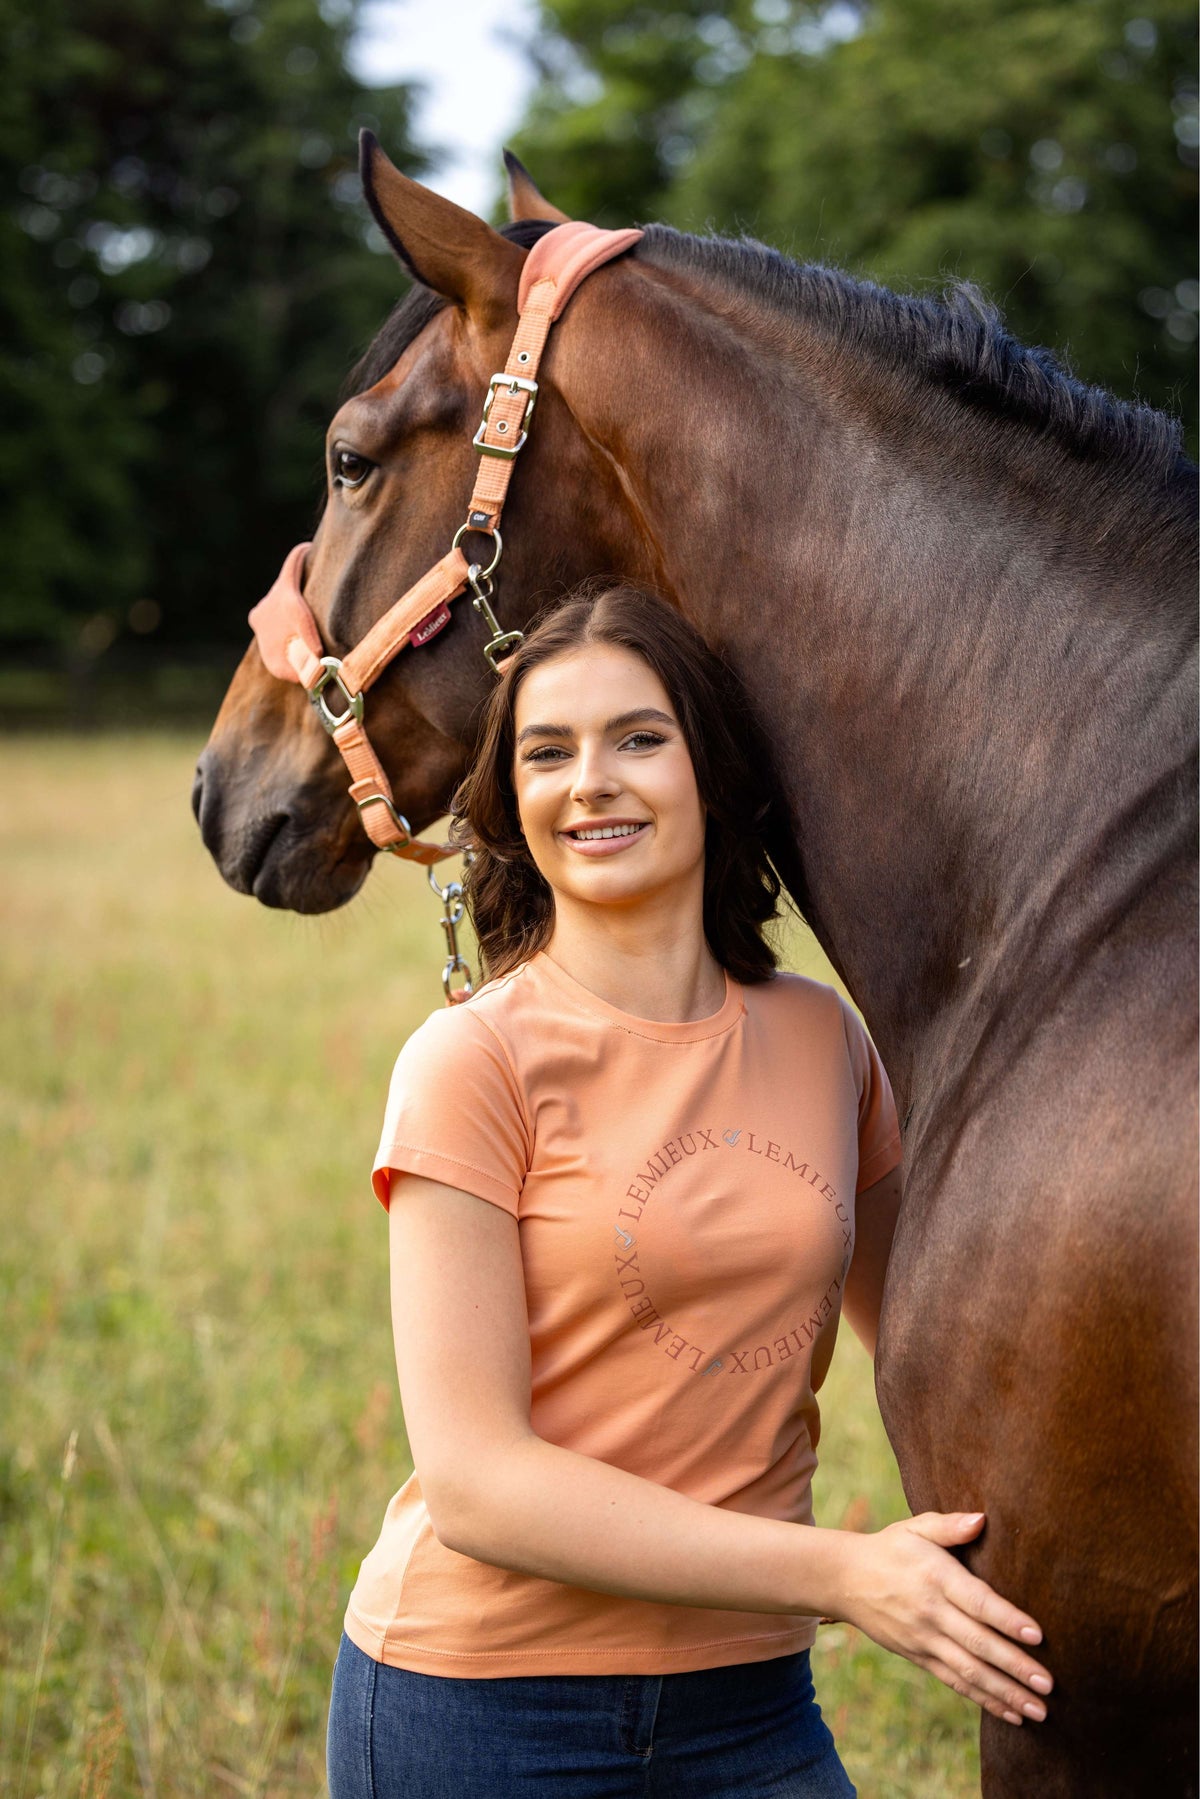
pixel 1034 1710
pixel 1041 1683
pixel 972 1517
pixel 1013 1718
pixel 1030 1633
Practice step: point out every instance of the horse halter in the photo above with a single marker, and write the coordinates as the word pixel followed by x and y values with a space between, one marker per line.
pixel 289 638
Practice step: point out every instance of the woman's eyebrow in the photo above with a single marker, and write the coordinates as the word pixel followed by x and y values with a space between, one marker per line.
pixel 640 715
pixel 544 731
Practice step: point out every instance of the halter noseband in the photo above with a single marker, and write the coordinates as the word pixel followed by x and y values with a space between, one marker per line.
pixel 289 638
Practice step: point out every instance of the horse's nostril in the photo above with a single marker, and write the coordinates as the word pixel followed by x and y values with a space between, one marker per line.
pixel 206 802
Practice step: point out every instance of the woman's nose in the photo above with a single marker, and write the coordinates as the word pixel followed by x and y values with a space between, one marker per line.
pixel 595 777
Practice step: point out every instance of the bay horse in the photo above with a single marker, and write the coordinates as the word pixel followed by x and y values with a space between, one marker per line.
pixel 957 586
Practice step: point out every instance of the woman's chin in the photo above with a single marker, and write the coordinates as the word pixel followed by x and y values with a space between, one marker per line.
pixel 610 884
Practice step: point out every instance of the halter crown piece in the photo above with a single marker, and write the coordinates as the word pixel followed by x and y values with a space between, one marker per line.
pixel 289 639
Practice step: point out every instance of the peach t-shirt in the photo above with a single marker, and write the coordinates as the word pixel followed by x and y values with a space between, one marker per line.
pixel 685 1201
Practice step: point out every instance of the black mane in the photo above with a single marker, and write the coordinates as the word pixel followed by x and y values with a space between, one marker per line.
pixel 958 343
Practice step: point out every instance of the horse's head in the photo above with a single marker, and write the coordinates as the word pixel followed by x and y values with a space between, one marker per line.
pixel 270 791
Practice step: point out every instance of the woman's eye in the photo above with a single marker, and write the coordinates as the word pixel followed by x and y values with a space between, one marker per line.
pixel 549 752
pixel 350 469
pixel 641 740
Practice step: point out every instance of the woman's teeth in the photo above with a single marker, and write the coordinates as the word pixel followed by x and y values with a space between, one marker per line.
pixel 604 831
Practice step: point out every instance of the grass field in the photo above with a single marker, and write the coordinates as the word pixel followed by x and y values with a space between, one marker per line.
pixel 201 1425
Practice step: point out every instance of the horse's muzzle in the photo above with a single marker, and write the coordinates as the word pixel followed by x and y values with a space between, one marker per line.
pixel 269 849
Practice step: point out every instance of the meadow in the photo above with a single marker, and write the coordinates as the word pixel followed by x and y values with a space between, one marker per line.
pixel 201 1424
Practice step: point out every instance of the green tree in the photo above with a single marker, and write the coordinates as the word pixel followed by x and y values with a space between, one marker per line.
pixel 187 270
pixel 1045 149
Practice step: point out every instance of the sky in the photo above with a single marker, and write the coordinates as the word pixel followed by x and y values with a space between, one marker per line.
pixel 477 81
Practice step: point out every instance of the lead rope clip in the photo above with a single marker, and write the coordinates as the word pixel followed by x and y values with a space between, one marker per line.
pixel 500 644
pixel 453 912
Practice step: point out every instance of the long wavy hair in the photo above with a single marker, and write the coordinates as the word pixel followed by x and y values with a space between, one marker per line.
pixel 511 905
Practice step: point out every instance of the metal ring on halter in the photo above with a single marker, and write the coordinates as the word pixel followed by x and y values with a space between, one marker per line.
pixel 462 532
pixel 332 672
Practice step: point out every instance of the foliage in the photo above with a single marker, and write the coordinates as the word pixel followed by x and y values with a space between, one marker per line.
pixel 194 1275
pixel 1044 149
pixel 186 274
pixel 187 270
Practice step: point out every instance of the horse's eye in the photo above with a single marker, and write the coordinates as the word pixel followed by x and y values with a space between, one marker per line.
pixel 350 469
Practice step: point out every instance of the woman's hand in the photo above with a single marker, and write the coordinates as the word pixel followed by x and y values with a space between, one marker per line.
pixel 912 1597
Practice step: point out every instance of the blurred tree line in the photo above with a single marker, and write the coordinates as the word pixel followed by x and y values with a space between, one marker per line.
pixel 1045 149
pixel 187 271
pixel 185 276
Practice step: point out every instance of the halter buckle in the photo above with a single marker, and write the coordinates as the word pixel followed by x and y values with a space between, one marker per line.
pixel 398 819
pixel 331 672
pixel 514 384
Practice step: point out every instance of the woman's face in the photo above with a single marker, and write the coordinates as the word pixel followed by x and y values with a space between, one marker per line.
pixel 604 783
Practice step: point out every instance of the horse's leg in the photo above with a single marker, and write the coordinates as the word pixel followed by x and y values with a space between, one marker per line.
pixel 1154 1760
pixel 1122 1719
pixel 1090 1527
pixel 1037 1361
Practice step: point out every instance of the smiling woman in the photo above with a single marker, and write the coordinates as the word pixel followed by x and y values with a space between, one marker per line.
pixel 632 1182
pixel 663 743
pixel 572 780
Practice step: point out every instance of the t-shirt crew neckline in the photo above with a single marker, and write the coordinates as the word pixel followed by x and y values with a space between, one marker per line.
pixel 693 1030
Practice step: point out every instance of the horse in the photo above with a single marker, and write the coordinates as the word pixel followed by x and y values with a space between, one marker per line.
pixel 957 586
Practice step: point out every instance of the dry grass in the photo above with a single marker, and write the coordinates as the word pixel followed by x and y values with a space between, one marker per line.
pixel 195 1297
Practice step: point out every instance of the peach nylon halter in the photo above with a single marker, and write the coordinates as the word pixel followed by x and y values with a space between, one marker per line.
pixel 289 639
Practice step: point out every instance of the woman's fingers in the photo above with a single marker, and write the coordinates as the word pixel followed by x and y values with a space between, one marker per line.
pixel 986 1666
pixel 969 1593
pixel 946 1528
pixel 992 1664
pixel 978 1600
pixel 972 1682
pixel 925 1604
pixel 988 1618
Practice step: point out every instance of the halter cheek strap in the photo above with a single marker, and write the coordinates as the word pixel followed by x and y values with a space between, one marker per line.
pixel 289 638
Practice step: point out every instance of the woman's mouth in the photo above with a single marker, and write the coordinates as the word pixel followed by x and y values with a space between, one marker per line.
pixel 604 840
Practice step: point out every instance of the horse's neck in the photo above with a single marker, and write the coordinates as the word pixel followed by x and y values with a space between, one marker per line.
pixel 942 696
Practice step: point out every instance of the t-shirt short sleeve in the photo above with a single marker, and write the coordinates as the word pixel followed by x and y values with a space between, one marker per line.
pixel 879 1148
pixel 454 1113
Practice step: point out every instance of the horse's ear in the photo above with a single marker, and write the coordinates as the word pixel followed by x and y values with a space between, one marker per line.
pixel 445 247
pixel 524 200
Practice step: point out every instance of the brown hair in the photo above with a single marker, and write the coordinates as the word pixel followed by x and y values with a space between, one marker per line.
pixel 511 906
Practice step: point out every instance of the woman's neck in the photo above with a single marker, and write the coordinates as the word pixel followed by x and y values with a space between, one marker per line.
pixel 650 961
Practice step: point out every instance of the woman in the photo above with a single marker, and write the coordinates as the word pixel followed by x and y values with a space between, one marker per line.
pixel 621 1188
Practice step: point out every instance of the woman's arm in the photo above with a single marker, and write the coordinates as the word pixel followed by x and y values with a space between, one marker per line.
pixel 876 1210
pixel 497 1492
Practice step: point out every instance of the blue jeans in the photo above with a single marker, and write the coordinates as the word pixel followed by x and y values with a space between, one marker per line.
pixel 753 1731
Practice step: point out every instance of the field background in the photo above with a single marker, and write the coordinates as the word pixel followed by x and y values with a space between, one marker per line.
pixel 201 1422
